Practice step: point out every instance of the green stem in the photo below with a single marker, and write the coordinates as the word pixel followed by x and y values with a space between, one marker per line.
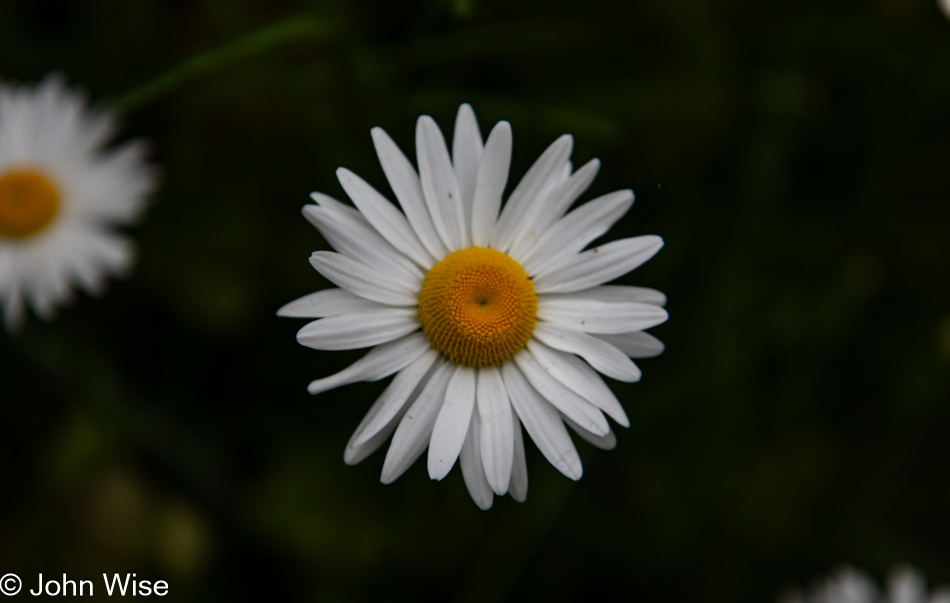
pixel 298 26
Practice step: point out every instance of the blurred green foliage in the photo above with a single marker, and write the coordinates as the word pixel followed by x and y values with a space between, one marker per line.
pixel 794 157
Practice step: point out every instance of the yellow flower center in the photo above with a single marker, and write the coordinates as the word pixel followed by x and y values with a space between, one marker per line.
pixel 28 203
pixel 477 307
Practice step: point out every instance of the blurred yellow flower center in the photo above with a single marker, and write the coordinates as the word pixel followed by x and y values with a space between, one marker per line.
pixel 28 203
pixel 477 307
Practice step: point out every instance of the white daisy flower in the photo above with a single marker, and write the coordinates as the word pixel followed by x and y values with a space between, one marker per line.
pixel 491 317
pixel 850 585
pixel 60 194
pixel 945 7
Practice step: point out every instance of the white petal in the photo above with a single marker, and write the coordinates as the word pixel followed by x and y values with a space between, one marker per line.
pixel 327 202
pixel 388 410
pixel 466 153
pixel 384 216
pixel 573 232
pixel 497 441
pixel 555 392
pixel 550 210
pixel 354 237
pixel 14 310
pixel 636 344
pixel 394 397
pixel 600 317
pixel 381 361
pixel 604 442
pixel 600 354
pixel 543 423
pixel 472 469
pixel 365 281
pixel 598 265
pixel 942 595
pixel 408 190
pixel 565 173
pixel 439 187
pixel 355 453
pixel 490 184
pixel 415 428
pixel 518 487
pixel 328 302
pixel 614 293
pixel 849 586
pixel 579 378
pixel 906 585
pixel 358 329
pixel 451 426
pixel 42 303
pixel 530 191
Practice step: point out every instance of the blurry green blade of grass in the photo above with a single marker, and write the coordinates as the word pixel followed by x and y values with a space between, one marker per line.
pixel 287 30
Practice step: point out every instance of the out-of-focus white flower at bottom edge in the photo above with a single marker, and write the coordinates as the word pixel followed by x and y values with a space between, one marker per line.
pixel 851 585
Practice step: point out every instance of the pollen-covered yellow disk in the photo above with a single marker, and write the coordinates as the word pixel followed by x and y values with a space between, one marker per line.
pixel 477 307
pixel 28 203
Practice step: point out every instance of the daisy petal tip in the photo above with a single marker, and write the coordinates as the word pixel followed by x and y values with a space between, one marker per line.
pixel 567 140
pixel 388 476
pixel 380 138
pixel 353 455
pixel 502 131
pixel 622 420
pixel 362 439
pixel 310 212
pixel 318 386
pixel 437 468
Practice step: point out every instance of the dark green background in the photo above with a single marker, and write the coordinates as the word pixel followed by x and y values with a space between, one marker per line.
pixel 794 156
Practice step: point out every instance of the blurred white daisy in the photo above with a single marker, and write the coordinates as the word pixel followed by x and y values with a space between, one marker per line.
pixel 60 194
pixel 514 315
pixel 945 7
pixel 850 585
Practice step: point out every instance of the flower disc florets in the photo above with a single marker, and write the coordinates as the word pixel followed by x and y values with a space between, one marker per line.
pixel 28 203
pixel 477 307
